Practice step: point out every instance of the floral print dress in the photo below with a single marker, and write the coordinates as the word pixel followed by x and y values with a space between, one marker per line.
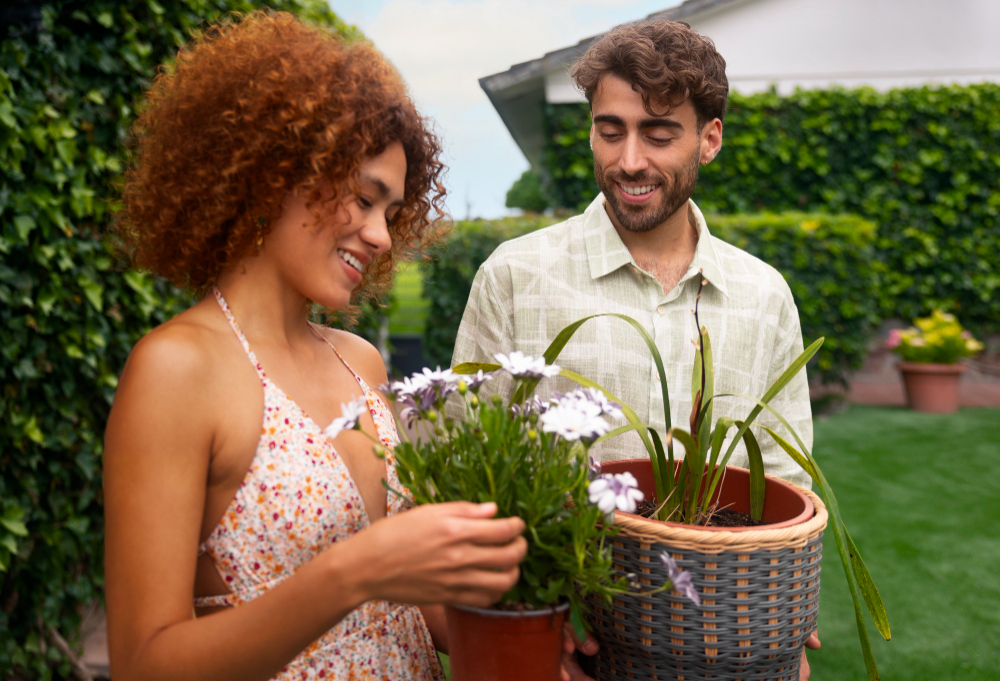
pixel 297 499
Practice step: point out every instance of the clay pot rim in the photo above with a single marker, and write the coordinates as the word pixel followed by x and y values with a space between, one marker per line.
pixel 807 513
pixel 492 612
pixel 932 367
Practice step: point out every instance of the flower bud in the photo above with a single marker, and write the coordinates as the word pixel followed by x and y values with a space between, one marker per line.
pixel 532 434
pixel 497 400
pixel 431 416
pixel 462 387
pixel 474 401
pixel 379 451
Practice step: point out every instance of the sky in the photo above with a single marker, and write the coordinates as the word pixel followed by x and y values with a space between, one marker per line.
pixel 443 47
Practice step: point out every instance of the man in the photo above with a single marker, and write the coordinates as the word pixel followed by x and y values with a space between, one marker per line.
pixel 657 93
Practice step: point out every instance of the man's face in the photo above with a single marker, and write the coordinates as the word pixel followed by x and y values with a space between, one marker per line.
pixel 646 166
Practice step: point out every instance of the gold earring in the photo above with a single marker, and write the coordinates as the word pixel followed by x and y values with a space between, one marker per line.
pixel 261 222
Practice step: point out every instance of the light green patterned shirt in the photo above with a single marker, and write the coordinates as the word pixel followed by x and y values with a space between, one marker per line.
pixel 533 286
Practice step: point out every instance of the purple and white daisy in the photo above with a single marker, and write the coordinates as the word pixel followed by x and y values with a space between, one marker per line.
pixel 574 421
pixel 475 382
pixel 680 578
pixel 522 366
pixel 613 491
pixel 348 420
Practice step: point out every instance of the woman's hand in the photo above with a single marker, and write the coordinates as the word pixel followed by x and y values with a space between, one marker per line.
pixel 454 553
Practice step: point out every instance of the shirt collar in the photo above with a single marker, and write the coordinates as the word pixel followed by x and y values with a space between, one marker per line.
pixel 606 252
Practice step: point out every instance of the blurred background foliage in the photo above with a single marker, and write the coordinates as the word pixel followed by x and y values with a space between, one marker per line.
pixel 922 163
pixel 70 75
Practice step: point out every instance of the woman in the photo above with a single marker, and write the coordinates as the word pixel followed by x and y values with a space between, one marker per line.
pixel 276 167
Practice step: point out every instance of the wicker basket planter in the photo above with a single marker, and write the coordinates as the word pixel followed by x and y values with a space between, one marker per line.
pixel 759 588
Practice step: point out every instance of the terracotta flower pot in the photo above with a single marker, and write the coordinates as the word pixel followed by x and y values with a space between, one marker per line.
pixel 931 388
pixel 499 645
pixel 759 589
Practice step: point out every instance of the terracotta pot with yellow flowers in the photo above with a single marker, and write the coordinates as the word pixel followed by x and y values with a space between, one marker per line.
pixel 930 368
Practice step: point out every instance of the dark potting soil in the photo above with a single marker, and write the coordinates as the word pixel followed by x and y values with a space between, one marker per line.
pixel 723 517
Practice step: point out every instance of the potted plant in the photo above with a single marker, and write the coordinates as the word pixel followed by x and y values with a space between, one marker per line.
pixel 532 460
pixel 758 586
pixel 930 352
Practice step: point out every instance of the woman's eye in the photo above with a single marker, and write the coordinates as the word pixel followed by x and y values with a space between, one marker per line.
pixel 364 203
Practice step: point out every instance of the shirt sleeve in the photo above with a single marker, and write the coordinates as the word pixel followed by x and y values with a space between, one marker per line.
pixel 487 328
pixel 792 402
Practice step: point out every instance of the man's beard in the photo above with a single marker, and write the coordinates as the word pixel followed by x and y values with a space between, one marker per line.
pixel 644 218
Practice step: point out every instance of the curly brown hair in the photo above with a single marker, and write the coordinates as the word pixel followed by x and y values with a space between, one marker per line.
pixel 255 107
pixel 665 61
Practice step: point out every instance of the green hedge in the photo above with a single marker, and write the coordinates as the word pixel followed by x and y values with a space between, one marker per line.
pixel 922 163
pixel 829 263
pixel 69 313
pixel 448 276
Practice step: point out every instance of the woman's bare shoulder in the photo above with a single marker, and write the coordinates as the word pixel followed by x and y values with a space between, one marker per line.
pixel 363 357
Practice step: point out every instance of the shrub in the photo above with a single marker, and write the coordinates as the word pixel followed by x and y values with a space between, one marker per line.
pixel 829 263
pixel 70 313
pixel 526 193
pixel 922 163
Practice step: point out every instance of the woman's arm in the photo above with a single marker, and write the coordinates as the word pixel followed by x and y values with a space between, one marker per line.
pixel 160 438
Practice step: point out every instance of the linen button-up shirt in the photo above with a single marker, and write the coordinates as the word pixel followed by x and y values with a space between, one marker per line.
pixel 532 287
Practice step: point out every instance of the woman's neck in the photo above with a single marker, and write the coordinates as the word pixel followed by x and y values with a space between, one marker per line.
pixel 267 308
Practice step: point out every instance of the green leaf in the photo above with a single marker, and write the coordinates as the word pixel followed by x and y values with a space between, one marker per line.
pixel 15 527
pixel 93 291
pixel 576 619
pixel 756 475
pixel 474 367
pixel 24 224
pixel 868 589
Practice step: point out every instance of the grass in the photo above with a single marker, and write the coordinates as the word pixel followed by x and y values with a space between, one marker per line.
pixel 409 316
pixel 920 494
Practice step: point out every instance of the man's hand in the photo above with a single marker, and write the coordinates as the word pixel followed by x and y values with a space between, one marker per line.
pixel 570 670
pixel 812 643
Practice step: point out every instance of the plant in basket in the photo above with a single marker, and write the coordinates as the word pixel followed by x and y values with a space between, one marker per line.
pixel 930 351
pixel 758 585
pixel 531 459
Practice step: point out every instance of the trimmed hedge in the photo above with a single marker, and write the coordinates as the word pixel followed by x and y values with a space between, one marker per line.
pixel 828 261
pixel 69 74
pixel 922 163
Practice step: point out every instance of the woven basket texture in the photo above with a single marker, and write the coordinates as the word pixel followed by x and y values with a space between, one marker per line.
pixel 759 603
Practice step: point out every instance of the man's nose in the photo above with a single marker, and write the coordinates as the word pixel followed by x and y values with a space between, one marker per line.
pixel 633 156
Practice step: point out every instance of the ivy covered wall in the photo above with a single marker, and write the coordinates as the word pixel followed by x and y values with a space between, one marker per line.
pixel 922 163
pixel 70 73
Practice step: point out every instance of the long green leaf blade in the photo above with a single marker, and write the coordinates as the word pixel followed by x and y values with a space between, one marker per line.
pixel 756 475
pixel 868 589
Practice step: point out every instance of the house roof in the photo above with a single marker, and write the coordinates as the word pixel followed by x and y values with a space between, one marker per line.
pixel 518 94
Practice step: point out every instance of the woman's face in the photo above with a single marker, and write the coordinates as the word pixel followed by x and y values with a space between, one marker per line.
pixel 324 260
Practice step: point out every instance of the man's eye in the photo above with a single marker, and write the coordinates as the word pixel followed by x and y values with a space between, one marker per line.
pixel 661 140
pixel 610 135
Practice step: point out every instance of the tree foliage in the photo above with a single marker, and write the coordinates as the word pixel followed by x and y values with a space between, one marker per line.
pixel 526 193
pixel 70 75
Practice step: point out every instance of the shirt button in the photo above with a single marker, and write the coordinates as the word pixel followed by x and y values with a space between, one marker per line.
pixel 662 309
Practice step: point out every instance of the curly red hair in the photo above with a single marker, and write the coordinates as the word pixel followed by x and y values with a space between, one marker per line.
pixel 255 107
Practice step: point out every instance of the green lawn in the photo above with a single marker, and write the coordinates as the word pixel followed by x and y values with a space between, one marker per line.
pixel 921 496
pixel 410 314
